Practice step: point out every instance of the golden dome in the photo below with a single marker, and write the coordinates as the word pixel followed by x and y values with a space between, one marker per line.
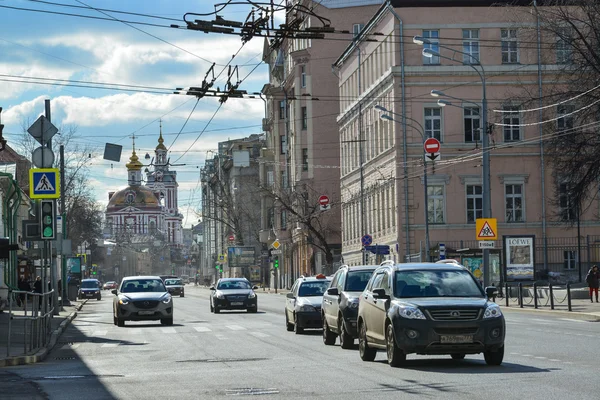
pixel 134 196
pixel 134 163
pixel 161 146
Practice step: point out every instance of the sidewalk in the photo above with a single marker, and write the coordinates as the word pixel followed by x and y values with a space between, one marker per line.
pixel 17 351
pixel 583 309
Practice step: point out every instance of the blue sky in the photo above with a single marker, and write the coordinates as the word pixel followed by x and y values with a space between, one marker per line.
pixel 52 46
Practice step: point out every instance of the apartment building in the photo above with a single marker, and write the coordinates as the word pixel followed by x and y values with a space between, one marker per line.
pixel 383 180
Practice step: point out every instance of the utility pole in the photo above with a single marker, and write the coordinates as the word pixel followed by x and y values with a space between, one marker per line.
pixel 47 243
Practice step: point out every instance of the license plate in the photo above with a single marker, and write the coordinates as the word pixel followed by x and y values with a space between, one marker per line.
pixel 237 303
pixel 145 312
pixel 457 339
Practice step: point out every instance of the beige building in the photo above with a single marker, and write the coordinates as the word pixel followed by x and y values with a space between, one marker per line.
pixel 386 197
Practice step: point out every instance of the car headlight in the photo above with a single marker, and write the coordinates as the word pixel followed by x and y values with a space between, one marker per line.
pixel 252 295
pixel 167 299
pixel 493 311
pixel 353 304
pixel 124 300
pixel 410 312
pixel 220 295
pixel 306 308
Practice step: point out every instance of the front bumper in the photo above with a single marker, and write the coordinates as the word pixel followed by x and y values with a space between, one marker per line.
pixel 236 303
pixel 486 334
pixel 310 319
pixel 176 291
pixel 138 311
pixel 88 294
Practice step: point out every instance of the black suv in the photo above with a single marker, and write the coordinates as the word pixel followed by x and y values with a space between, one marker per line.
pixel 427 308
pixel 340 304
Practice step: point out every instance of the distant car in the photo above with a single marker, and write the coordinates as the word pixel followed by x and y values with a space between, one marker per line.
pixel 303 303
pixel 89 288
pixel 233 294
pixel 175 287
pixel 142 298
pixel 428 308
pixel 340 304
pixel 185 278
pixel 110 285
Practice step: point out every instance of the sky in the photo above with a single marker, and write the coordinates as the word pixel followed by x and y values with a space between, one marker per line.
pixel 39 43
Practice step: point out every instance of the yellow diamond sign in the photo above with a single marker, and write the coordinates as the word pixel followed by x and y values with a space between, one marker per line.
pixel 275 244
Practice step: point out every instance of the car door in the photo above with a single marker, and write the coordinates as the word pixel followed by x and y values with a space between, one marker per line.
pixel 330 302
pixel 335 309
pixel 380 307
pixel 370 304
pixel 290 303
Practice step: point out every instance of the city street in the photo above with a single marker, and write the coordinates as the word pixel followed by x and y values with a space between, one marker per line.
pixel 206 355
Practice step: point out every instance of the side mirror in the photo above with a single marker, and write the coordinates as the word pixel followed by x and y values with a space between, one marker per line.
pixel 490 291
pixel 212 288
pixel 114 291
pixel 254 287
pixel 333 291
pixel 290 295
pixel 380 294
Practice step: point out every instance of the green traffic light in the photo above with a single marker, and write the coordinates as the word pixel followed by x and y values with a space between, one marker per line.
pixel 48 232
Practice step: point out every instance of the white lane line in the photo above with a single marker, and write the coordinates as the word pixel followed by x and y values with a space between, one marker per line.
pixel 259 334
pixel 540 358
pixel 526 355
pixel 168 330
pixel 553 359
pixel 110 344
pixel 572 320
pixel 202 329
pixel 99 333
pixel 220 337
pixel 236 328
pixel 568 362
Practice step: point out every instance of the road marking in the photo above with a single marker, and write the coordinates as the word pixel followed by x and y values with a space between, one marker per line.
pixel 259 334
pixel 540 358
pixel 220 337
pixel 100 333
pixel 202 329
pixel 236 328
pixel 553 359
pixel 168 330
pixel 572 320
pixel 110 344
pixel 70 346
pixel 526 355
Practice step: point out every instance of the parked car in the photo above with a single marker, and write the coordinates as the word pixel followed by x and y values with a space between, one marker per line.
pixel 175 287
pixel 233 294
pixel 303 303
pixel 142 298
pixel 89 288
pixel 340 304
pixel 428 308
pixel 110 285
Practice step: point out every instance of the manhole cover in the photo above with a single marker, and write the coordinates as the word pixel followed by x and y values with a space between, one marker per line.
pixel 224 360
pixel 64 358
pixel 250 391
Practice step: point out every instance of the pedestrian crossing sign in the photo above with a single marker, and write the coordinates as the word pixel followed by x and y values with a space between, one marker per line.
pixel 44 183
pixel 486 229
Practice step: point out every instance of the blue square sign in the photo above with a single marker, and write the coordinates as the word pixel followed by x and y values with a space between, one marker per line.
pixel 44 183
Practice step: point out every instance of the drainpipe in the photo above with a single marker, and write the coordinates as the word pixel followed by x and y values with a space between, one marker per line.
pixel 404 144
pixel 541 134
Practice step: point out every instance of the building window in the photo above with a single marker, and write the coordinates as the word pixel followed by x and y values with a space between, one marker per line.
pixel 474 203
pixel 282 109
pixel 565 117
pixel 435 204
pixel 511 120
pixel 304 159
pixel 564 48
pixel 283 219
pixel 434 38
pixel 471 46
pixel 356 29
pixel 303 76
pixel 433 123
pixel 566 203
pixel 472 124
pixel 513 195
pixel 284 178
pixel 570 257
pixel 510 53
pixel 304 118
pixel 282 144
pixel 271 218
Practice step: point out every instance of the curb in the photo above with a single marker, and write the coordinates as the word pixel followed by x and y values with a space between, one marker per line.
pixel 567 314
pixel 44 351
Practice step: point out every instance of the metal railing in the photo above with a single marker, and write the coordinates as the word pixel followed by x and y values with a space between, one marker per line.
pixel 526 295
pixel 36 314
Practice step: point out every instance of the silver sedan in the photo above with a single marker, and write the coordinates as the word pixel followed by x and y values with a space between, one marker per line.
pixel 142 298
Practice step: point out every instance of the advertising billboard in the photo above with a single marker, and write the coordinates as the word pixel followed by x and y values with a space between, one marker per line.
pixel 241 256
pixel 519 256
pixel 73 265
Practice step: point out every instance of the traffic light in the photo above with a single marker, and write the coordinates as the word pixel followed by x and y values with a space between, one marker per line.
pixel 48 220
pixel 276 262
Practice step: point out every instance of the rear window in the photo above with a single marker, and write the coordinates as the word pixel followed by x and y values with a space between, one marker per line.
pixel 436 283
pixel 357 280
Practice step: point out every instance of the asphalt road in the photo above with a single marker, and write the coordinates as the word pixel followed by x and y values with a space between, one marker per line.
pixel 206 355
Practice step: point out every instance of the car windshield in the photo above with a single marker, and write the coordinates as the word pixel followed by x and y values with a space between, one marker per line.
pixel 357 280
pixel 225 285
pixel 313 288
pixel 436 283
pixel 171 282
pixel 89 284
pixel 142 285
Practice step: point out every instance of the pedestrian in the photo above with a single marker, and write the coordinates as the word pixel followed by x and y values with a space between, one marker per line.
pixel 23 286
pixel 37 288
pixel 593 281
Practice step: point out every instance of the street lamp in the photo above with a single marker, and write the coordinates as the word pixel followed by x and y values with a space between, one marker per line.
pixel 421 131
pixel 487 205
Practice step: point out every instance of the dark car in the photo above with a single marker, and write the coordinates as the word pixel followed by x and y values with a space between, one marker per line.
pixel 428 308
pixel 142 298
pixel 340 304
pixel 303 303
pixel 233 294
pixel 175 286
pixel 90 289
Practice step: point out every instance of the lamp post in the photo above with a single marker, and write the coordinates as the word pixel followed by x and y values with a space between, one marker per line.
pixel 421 131
pixel 487 205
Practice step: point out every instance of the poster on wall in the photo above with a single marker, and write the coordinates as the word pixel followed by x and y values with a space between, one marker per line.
pixel 73 265
pixel 519 256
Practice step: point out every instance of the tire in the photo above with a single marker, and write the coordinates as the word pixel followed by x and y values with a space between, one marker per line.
pixel 346 340
pixel 289 327
pixel 182 295
pixel 494 357
pixel 120 322
pixel 366 353
pixel 458 356
pixel 114 320
pixel 328 336
pixel 167 321
pixel 216 310
pixel 98 298
pixel 212 309
pixel 297 330
pixel 395 356
pixel 252 310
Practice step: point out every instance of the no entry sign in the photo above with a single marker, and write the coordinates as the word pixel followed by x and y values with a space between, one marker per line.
pixel 431 145
pixel 323 200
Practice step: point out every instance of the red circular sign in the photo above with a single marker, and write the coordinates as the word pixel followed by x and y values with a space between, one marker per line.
pixel 231 238
pixel 431 145
pixel 323 200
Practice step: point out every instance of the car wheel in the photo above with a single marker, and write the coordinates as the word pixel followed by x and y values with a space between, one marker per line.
pixel 120 322
pixel 366 353
pixel 182 295
pixel 458 356
pixel 99 298
pixel 289 326
pixel 494 357
pixel 328 336
pixel 396 357
pixel 114 320
pixel 346 340
pixel 297 330
pixel 252 309
pixel 216 310
pixel 212 309
pixel 167 321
